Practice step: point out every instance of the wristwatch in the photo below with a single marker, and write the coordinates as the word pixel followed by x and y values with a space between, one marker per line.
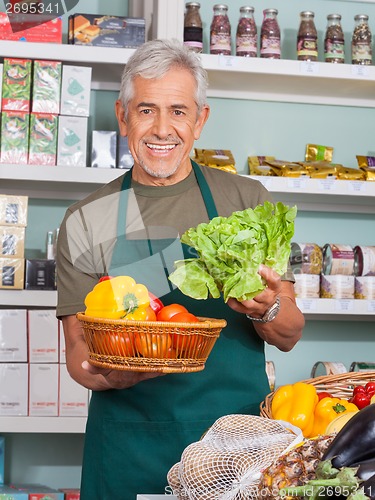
pixel 269 315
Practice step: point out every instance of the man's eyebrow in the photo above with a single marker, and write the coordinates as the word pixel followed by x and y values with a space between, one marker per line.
pixel 153 105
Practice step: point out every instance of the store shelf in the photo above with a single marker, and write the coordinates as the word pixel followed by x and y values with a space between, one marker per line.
pixel 230 76
pixel 28 298
pixel 337 309
pixel 75 425
pixel 333 195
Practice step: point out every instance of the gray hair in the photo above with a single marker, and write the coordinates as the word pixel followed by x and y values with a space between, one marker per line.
pixel 154 59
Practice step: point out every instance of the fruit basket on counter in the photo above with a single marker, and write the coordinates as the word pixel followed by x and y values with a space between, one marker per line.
pixel 150 346
pixel 340 386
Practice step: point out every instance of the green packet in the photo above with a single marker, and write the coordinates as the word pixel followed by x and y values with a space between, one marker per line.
pixel 43 139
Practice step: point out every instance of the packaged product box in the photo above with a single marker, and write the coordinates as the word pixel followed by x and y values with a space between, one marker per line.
pixel 12 241
pixel 125 159
pixel 62 356
pixel 12 273
pixel 43 389
pixel 16 92
pixel 46 87
pixel 43 139
pixel 7 492
pixel 73 397
pixel 72 141
pixel 38 491
pixel 103 149
pixel 13 336
pixel 71 493
pixel 40 274
pixel 106 31
pixel 49 31
pixel 2 460
pixel 14 137
pixel 13 389
pixel 13 210
pixel 1 78
pixel 43 336
pixel 75 90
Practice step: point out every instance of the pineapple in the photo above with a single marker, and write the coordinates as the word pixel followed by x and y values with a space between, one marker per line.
pixel 294 468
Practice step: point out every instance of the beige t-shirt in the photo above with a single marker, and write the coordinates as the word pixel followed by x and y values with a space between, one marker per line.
pixel 88 232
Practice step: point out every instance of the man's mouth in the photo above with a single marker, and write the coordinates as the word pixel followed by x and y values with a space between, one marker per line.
pixel 160 147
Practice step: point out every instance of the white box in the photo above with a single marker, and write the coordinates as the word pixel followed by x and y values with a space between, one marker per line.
pixel 73 397
pixel 62 356
pixel 72 141
pixel 43 389
pixel 103 149
pixel 13 335
pixel 43 334
pixel 75 90
pixel 13 389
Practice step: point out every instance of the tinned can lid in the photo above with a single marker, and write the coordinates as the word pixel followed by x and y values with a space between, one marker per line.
pixel 220 6
pixel 307 13
pixel 270 11
pixel 193 4
pixel 246 8
pixel 334 17
pixel 361 17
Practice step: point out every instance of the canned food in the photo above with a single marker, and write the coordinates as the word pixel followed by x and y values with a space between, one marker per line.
pixel 337 286
pixel 321 368
pixel 364 287
pixel 307 285
pixel 338 259
pixel 270 370
pixel 306 258
pixel 362 366
pixel 364 261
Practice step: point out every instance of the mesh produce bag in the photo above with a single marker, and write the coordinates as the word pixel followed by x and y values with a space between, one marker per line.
pixel 227 462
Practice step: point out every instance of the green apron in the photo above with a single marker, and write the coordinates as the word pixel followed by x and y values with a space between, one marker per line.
pixel 135 435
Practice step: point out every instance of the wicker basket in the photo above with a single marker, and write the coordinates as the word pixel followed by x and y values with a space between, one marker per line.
pixel 144 345
pixel 340 386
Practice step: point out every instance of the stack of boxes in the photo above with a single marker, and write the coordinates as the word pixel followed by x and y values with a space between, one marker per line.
pixel 45 108
pixel 13 221
pixel 34 380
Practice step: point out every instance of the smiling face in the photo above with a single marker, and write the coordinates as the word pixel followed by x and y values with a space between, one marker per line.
pixel 162 124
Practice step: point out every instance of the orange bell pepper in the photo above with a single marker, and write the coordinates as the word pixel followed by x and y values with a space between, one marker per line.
pixel 327 410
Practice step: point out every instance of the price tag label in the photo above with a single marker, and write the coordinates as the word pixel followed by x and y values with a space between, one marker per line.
pixel 360 70
pixel 266 181
pixel 307 305
pixel 357 186
pixel 344 305
pixel 309 67
pixel 371 306
pixel 328 184
pixel 227 61
pixel 298 183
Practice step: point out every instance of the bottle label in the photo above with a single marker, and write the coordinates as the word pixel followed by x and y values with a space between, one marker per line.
pixel 307 47
pixel 334 49
pixel 193 34
pixel 362 52
pixel 220 43
pixel 246 44
pixel 270 46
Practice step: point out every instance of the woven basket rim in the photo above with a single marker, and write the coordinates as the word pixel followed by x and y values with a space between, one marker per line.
pixel 204 322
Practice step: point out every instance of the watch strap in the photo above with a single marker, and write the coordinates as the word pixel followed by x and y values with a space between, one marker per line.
pixel 269 315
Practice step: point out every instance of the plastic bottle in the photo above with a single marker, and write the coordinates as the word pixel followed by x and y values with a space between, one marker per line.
pixel 270 40
pixel 220 31
pixel 307 38
pixel 193 31
pixel 361 41
pixel 334 43
pixel 246 36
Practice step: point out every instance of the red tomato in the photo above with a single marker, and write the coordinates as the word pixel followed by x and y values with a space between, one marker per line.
pixel 167 312
pixel 171 354
pixel 119 344
pixel 155 345
pixel 322 395
pixel 105 278
pixel 150 314
pixel 184 317
pixel 370 387
pixel 361 399
pixel 359 389
pixel 155 303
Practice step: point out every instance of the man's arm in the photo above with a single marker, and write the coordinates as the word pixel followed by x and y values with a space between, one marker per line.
pixel 286 329
pixel 94 378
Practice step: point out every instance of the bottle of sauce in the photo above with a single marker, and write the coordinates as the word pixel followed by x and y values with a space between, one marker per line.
pixel 220 31
pixel 193 31
pixel 270 40
pixel 361 41
pixel 307 38
pixel 246 37
pixel 334 43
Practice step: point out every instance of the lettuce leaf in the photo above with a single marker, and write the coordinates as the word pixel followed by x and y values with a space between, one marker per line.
pixel 230 250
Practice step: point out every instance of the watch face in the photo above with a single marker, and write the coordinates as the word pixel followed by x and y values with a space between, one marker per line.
pixel 272 313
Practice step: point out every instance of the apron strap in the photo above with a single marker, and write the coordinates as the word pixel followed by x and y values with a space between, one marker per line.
pixel 205 190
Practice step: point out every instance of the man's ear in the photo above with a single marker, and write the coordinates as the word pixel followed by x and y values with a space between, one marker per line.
pixel 202 118
pixel 120 115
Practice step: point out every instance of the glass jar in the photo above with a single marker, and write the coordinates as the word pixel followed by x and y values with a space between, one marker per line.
pixel 246 36
pixel 270 40
pixel 220 31
pixel 193 31
pixel 334 43
pixel 307 38
pixel 361 41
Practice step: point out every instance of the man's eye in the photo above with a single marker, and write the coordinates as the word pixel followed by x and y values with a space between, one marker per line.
pixel 178 112
pixel 146 111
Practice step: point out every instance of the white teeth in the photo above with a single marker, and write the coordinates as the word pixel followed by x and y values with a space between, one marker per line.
pixel 160 147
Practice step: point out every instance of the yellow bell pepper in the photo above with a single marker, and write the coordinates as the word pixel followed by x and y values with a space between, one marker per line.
pixel 327 410
pixel 117 298
pixel 295 404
